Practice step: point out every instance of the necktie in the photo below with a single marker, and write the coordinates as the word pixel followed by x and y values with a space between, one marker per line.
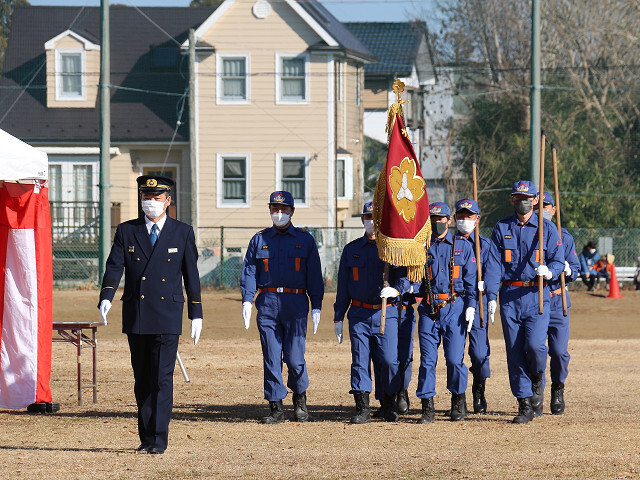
pixel 154 234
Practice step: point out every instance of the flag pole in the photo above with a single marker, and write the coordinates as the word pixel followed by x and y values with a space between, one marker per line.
pixel 477 238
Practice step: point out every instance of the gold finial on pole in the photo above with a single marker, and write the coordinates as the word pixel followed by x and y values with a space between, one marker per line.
pixel 397 87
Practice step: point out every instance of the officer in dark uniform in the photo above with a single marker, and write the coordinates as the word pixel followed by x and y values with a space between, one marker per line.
pixel 515 263
pixel 283 265
pixel 558 332
pixel 360 288
pixel 156 253
pixel 467 217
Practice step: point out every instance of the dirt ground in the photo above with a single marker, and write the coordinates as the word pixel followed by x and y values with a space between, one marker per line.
pixel 215 430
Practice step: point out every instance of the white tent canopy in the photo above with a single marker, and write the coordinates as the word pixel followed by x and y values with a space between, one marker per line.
pixel 20 161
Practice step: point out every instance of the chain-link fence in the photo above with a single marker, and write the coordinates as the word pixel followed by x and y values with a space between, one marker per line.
pixel 222 250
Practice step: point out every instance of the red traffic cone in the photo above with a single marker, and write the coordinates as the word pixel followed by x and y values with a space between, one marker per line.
pixel 614 288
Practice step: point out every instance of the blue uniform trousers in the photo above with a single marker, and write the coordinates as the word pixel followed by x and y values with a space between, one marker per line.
pixel 368 345
pixel 558 338
pixel 525 334
pixel 153 358
pixel 282 323
pixel 479 350
pixel 449 327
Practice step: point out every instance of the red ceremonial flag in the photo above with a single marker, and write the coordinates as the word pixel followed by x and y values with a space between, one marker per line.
pixel 26 284
pixel 401 206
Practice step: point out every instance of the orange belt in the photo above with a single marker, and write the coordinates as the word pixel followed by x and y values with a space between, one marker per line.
pixel 377 306
pixel 443 296
pixel 556 292
pixel 533 283
pixel 282 290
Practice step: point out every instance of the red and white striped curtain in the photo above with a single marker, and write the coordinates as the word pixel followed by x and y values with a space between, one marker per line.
pixel 26 285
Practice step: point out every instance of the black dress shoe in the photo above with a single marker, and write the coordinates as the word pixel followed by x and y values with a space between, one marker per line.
pixel 142 446
pixel 155 451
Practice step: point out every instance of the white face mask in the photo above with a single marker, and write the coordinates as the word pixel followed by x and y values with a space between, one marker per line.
pixel 592 251
pixel 547 215
pixel 368 226
pixel 280 219
pixel 152 208
pixel 465 226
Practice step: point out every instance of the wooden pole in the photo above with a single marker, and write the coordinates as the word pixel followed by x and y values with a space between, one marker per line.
pixel 383 308
pixel 556 191
pixel 540 225
pixel 477 239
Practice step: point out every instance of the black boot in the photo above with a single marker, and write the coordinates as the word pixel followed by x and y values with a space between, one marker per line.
pixel 557 398
pixel 479 402
pixel 389 408
pixel 458 406
pixel 363 412
pixel 537 397
pixel 300 413
pixel 378 413
pixel 402 398
pixel 276 415
pixel 525 411
pixel 428 411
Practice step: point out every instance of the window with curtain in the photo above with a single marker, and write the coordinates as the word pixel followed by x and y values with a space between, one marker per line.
pixel 71 74
pixel 294 178
pixel 293 79
pixel 234 78
pixel 234 180
pixel 340 177
pixel 83 186
pixel 55 192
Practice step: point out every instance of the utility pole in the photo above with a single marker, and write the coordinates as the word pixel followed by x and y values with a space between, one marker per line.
pixel 193 144
pixel 535 92
pixel 105 141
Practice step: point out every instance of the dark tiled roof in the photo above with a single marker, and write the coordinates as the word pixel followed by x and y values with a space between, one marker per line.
pixel 336 29
pixel 395 44
pixel 135 116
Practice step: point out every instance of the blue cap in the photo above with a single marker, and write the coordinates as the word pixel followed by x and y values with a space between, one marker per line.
pixel 282 198
pixel 367 208
pixel 524 187
pixel 439 209
pixel 548 198
pixel 467 204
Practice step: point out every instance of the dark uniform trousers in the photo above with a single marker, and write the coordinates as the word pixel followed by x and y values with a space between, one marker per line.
pixel 152 307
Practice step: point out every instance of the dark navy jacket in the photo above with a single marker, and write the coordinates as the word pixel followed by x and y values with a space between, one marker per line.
pixel 153 299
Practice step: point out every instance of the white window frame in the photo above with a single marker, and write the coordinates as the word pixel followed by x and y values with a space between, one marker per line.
pixel 278 69
pixel 348 177
pixel 307 179
pixel 58 75
pixel 220 201
pixel 358 86
pixel 220 99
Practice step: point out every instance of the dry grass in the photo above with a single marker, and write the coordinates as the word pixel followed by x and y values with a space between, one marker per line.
pixel 215 431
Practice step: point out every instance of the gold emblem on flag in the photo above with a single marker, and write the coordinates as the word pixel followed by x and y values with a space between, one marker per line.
pixel 407 188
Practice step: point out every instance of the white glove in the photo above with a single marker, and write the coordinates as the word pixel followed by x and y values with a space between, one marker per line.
pixel 196 329
pixel 246 313
pixel 567 269
pixel 469 315
pixel 315 318
pixel 389 292
pixel 105 306
pixel 337 328
pixel 481 286
pixel 543 271
pixel 491 306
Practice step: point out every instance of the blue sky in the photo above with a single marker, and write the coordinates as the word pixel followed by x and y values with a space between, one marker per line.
pixel 344 10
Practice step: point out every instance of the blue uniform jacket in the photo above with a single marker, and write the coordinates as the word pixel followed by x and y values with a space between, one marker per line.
pixel 153 299
pixel 570 256
pixel 465 273
pixel 287 259
pixel 360 276
pixel 513 254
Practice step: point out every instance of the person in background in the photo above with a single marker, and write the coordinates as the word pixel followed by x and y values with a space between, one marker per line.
pixel 282 264
pixel 636 277
pixel 589 257
pixel 558 331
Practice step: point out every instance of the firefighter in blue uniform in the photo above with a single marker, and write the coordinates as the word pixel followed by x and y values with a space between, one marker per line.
pixel 467 216
pixel 156 253
pixel 514 260
pixel 360 289
pixel 558 332
pixel 282 265
pixel 451 266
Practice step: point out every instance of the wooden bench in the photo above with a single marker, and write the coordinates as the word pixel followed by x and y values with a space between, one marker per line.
pixel 72 332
